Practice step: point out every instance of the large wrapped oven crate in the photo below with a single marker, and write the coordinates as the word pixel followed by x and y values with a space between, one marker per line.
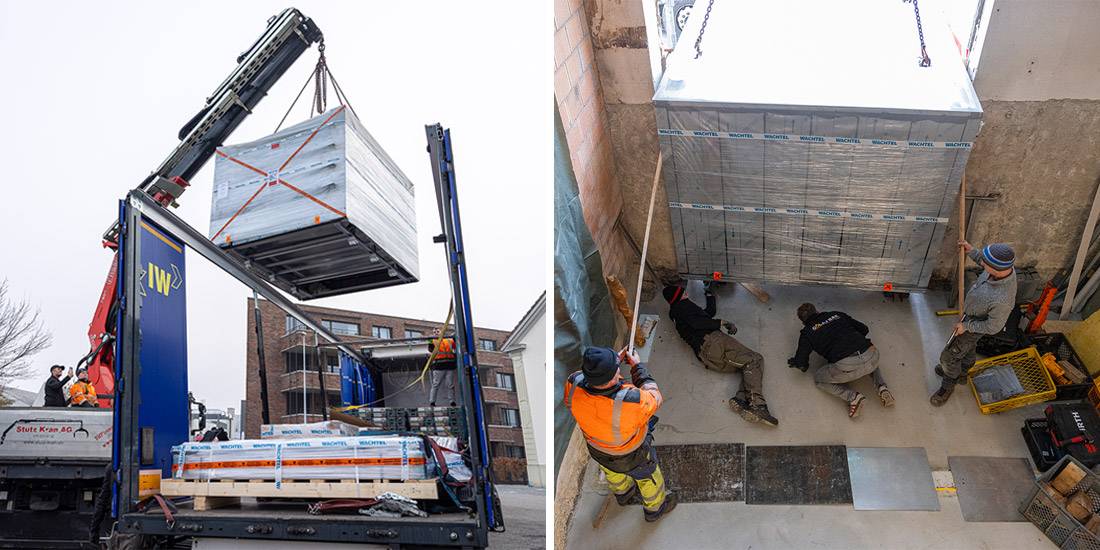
pixel 815 151
pixel 318 208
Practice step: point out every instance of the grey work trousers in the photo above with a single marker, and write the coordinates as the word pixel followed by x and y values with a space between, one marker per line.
pixel 438 379
pixel 959 354
pixel 724 353
pixel 834 377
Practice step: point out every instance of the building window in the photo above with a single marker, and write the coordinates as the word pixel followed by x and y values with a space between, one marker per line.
pixel 506 381
pixel 510 417
pixel 487 345
pixel 413 333
pixel 295 361
pixel 341 327
pixel 514 451
pixel 384 333
pixel 294 401
pixel 293 324
pixel 332 363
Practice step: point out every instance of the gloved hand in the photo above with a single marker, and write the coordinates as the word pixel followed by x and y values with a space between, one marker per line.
pixel 730 327
pixel 794 365
pixel 639 375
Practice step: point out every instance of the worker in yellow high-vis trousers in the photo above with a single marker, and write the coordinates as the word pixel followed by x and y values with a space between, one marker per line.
pixel 616 418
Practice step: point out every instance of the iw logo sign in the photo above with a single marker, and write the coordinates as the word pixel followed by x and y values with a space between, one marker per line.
pixel 160 280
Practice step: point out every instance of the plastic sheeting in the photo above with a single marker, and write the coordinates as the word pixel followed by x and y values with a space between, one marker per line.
pixel 330 428
pixel 582 312
pixel 320 170
pixel 360 458
pixel 356 382
pixel 814 163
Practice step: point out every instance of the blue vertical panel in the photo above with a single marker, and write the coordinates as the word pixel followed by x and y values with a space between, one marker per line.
pixel 366 384
pixel 163 356
pixel 348 393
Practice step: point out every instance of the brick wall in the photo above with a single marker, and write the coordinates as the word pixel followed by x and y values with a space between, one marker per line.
pixel 279 381
pixel 579 96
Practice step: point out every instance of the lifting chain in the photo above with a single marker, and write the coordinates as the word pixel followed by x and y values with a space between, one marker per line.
pixel 925 61
pixel 702 29
pixel 320 81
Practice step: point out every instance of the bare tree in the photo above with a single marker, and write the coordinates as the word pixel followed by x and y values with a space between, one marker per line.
pixel 22 335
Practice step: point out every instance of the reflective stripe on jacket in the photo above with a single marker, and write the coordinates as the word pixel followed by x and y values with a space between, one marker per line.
pixel 614 420
pixel 81 392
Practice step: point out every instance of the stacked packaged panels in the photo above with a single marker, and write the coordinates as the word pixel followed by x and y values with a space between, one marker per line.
pixel 810 165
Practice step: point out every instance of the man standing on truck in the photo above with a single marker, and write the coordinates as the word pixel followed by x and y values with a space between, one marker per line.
pixel 55 385
pixel 82 394
pixel 720 351
pixel 617 421
pixel 443 367
pixel 843 342
pixel 985 309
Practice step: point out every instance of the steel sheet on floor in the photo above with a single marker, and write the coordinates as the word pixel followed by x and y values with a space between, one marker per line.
pixel 991 488
pixel 797 475
pixel 891 479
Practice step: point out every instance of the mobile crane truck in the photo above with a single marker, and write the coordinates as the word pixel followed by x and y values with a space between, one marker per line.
pixel 138 348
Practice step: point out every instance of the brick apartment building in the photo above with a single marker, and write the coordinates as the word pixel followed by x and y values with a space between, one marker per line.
pixel 288 346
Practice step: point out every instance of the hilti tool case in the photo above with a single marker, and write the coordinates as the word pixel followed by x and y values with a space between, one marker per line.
pixel 1075 430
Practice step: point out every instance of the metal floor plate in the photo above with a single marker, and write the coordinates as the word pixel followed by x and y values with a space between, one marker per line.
pixel 991 488
pixel 797 475
pixel 891 479
pixel 712 472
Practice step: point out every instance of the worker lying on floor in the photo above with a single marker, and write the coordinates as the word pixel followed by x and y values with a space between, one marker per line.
pixel 443 368
pixel 986 308
pixel 721 351
pixel 843 342
pixel 617 419
pixel 82 393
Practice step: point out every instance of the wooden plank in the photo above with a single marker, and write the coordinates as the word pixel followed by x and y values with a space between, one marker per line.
pixel 1079 262
pixel 761 295
pixel 203 504
pixel 962 253
pixel 323 489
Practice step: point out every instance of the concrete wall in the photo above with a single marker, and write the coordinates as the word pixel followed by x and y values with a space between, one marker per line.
pixel 1039 84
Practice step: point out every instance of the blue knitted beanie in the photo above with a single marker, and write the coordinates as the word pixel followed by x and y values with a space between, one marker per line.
pixel 999 256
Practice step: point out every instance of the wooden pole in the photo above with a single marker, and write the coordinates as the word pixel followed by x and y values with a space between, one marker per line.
pixel 962 251
pixel 645 250
pixel 1078 263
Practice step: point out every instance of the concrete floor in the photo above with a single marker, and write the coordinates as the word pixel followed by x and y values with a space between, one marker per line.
pixel 909 337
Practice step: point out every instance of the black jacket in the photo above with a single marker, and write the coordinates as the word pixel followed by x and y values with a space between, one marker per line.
pixel 694 323
pixel 832 334
pixel 55 392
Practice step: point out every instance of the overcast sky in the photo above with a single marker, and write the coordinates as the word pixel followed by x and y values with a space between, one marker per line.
pixel 94 93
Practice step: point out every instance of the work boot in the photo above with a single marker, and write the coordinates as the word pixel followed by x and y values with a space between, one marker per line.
pixel 626 498
pixel 758 412
pixel 942 394
pixel 739 405
pixel 666 507
pixel 960 380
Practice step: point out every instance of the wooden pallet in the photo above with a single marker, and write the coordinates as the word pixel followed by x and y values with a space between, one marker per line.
pixel 215 494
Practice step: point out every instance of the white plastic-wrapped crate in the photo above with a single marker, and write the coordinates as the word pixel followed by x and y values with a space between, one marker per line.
pixel 318 208
pixel 816 151
pixel 361 457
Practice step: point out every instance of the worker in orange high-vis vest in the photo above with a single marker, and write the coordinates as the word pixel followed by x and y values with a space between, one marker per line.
pixel 617 419
pixel 443 367
pixel 82 393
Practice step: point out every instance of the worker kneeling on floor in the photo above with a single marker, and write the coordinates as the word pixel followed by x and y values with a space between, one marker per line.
pixel 720 351
pixel 82 393
pixel 843 342
pixel 617 421
pixel 986 308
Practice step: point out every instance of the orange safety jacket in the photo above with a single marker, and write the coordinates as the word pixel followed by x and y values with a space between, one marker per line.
pixel 444 354
pixel 81 392
pixel 614 420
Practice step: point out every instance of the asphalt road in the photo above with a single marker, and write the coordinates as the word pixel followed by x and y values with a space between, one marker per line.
pixel 524 518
